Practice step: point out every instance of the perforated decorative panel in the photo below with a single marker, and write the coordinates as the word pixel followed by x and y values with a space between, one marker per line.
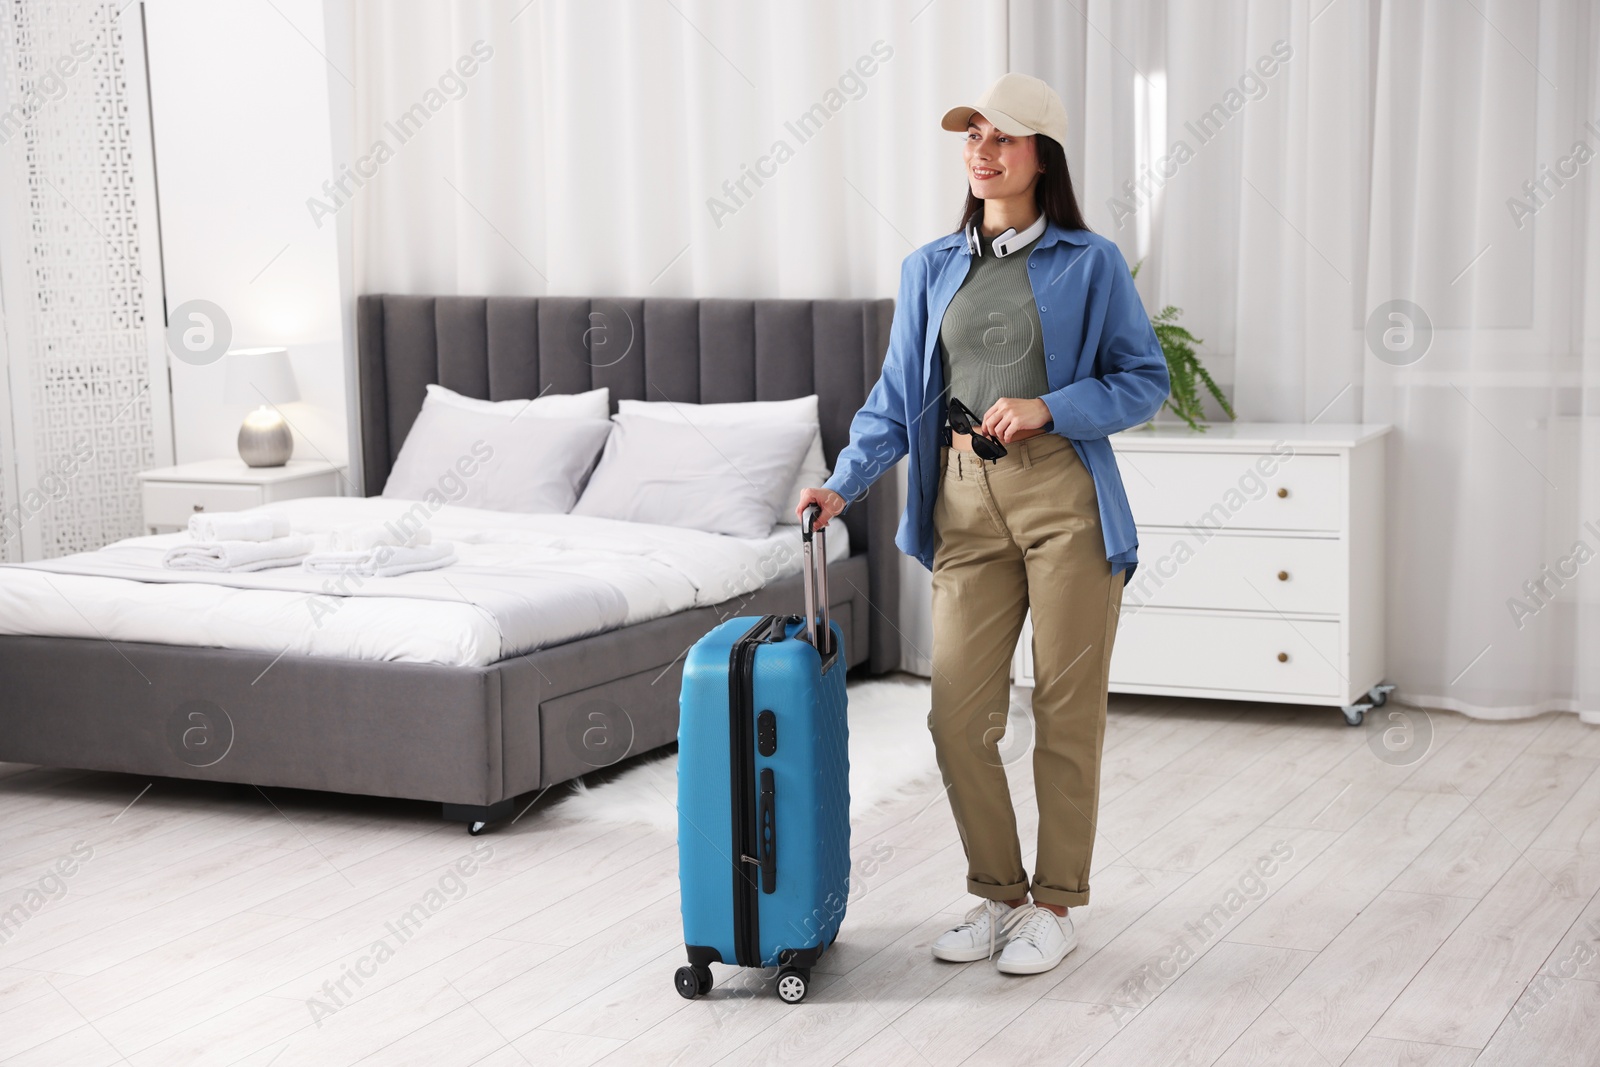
pixel 82 421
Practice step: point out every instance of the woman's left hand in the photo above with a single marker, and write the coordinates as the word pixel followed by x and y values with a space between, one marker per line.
pixel 1008 418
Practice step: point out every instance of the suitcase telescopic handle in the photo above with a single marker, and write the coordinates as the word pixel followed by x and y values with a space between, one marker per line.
pixel 814 564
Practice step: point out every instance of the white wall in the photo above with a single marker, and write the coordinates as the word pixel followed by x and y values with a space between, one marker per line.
pixel 240 101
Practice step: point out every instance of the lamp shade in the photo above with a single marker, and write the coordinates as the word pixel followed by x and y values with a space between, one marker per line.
pixel 260 376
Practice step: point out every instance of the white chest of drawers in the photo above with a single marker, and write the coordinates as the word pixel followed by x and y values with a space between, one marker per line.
pixel 1261 565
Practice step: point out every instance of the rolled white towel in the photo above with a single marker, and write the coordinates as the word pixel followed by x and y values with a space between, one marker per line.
pixel 371 535
pixel 239 526
pixel 383 561
pixel 238 555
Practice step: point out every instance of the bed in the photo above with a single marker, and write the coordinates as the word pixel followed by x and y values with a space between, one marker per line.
pixel 450 701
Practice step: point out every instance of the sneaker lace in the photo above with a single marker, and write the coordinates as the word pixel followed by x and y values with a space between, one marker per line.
pixel 1034 930
pixel 1000 916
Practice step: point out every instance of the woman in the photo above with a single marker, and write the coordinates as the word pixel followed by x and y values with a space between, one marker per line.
pixel 1040 334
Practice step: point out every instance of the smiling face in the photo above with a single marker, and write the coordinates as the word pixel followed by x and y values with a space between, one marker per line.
pixel 999 165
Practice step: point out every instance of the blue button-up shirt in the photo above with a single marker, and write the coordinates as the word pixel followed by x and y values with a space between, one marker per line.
pixel 1105 367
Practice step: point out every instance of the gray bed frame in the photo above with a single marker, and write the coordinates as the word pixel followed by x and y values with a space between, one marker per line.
pixel 475 738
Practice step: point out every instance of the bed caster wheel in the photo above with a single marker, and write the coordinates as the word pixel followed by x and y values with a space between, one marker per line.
pixel 1355 714
pixel 476 828
pixel 692 982
pixel 792 984
pixel 1379 695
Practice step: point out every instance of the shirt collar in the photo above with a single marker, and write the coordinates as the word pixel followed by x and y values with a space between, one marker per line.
pixel 1052 234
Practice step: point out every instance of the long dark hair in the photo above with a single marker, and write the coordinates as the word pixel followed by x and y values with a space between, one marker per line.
pixel 1052 192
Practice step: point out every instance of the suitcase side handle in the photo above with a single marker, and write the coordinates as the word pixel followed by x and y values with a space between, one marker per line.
pixel 814 569
pixel 769 832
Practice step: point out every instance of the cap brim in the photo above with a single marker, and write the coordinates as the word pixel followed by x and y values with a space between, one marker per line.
pixel 956 119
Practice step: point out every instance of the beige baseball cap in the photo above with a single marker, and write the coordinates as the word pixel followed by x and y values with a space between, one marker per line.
pixel 1018 105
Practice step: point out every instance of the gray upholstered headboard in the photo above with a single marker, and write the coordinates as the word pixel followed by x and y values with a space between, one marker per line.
pixel 694 351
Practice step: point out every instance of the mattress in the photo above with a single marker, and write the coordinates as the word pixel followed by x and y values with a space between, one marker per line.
pixel 521 583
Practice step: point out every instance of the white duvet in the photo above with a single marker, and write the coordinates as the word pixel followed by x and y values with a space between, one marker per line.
pixel 523 582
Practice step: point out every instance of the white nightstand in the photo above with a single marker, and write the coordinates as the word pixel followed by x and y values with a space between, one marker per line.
pixel 173 494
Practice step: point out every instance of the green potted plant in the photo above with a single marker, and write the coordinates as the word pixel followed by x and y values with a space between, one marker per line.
pixel 1184 368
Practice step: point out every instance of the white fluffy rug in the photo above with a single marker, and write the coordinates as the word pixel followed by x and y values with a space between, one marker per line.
pixel 891 753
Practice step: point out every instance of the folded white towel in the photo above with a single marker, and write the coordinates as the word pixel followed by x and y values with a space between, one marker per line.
pixel 405 559
pixel 238 555
pixel 383 561
pixel 370 536
pixel 239 526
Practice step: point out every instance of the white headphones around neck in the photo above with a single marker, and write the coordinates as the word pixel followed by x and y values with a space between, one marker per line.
pixel 1007 242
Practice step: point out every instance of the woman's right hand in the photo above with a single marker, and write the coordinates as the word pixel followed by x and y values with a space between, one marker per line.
pixel 830 502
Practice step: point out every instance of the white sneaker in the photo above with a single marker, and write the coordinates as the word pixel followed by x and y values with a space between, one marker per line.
pixel 985 929
pixel 1038 942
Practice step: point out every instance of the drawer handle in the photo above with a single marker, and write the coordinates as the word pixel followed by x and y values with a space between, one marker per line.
pixel 199 507
pixel 1283 657
pixel 1283 576
pixel 1282 493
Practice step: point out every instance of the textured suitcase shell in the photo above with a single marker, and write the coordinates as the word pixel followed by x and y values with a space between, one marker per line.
pixel 811 774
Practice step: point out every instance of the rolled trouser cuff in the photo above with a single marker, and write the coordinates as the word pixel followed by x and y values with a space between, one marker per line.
pixel 1002 893
pixel 1044 894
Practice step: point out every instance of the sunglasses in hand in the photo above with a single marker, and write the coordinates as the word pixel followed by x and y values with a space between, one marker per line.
pixel 962 420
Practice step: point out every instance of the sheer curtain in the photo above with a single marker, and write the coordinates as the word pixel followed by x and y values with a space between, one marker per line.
pixel 1430 151
pixel 662 149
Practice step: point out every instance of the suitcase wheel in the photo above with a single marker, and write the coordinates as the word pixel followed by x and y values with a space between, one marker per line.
pixel 792 983
pixel 692 982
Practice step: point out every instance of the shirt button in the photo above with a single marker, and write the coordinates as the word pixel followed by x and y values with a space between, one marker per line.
pixel 1044 309
pixel 1052 355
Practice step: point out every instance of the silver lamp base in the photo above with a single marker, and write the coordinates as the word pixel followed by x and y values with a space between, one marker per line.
pixel 264 439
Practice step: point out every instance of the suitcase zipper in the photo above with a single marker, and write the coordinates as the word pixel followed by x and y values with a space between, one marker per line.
pixel 742 762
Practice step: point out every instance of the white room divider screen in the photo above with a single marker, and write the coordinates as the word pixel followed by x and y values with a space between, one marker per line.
pixel 85 400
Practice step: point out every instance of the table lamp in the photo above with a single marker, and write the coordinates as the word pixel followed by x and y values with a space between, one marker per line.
pixel 263 377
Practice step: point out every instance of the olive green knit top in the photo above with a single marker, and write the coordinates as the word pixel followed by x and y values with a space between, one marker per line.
pixel 990 342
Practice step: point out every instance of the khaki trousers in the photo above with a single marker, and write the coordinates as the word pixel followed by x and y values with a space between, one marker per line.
pixel 1022 531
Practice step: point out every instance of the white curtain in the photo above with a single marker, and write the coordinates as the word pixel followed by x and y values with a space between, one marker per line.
pixel 1385 159
pixel 1381 159
pixel 588 155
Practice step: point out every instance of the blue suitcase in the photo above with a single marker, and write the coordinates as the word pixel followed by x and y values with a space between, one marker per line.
pixel 764 790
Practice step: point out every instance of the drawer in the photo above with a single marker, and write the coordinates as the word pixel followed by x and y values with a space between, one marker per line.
pixel 1238 490
pixel 327 484
pixel 172 503
pixel 1239 653
pixel 1238 573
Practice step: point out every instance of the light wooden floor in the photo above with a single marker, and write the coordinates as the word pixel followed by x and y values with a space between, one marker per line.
pixel 1433 915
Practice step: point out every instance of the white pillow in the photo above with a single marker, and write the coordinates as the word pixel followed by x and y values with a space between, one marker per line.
pixel 757 413
pixel 595 404
pixel 535 466
pixel 713 478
